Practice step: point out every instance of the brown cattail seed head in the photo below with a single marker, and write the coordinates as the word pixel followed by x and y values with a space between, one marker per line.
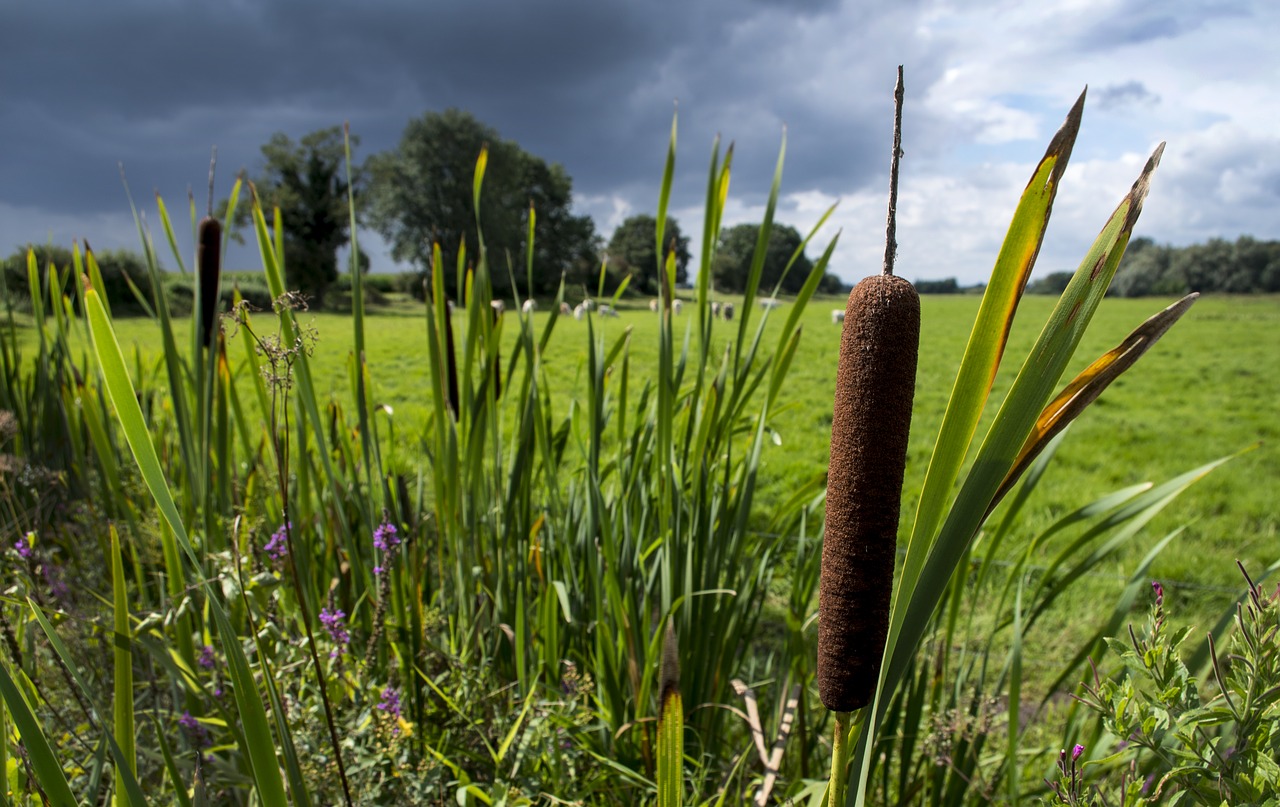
pixel 875 386
pixel 208 272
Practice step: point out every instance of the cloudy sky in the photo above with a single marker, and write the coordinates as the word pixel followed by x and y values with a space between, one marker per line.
pixel 592 84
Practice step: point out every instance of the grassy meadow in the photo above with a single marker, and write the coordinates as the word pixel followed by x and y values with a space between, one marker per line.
pixel 433 557
pixel 1209 389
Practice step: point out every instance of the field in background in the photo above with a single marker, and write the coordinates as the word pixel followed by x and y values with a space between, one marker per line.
pixel 1209 389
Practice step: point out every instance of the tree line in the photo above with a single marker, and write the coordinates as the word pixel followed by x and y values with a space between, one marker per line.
pixel 1246 266
pixel 420 194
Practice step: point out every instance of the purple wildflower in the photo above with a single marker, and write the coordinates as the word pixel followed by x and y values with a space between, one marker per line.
pixel 386 537
pixel 1159 590
pixel 206 659
pixel 278 546
pixel 390 702
pixel 1076 752
pixel 334 621
pixel 194 729
pixel 24 545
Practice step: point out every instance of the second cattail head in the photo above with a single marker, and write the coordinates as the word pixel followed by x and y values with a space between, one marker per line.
pixel 208 275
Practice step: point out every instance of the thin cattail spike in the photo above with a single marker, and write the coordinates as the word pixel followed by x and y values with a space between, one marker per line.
pixel 891 228
pixel 213 164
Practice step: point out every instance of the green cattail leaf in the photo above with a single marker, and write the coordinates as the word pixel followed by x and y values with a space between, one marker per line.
pixel 1085 388
pixel 985 349
pixel 257 732
pixel 167 226
pixel 1016 419
pixel 120 390
pixel 664 199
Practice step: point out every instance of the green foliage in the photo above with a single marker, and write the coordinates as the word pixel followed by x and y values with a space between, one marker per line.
pixel 945 286
pixel 632 251
pixel 1247 266
pixel 304 180
pixel 737 246
pixel 1169 739
pixel 1056 282
pixel 124 277
pixel 421 194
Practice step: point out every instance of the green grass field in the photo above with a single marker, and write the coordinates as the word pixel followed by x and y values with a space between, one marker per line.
pixel 1209 389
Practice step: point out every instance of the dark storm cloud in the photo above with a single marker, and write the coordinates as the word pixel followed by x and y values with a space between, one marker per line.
pixel 1147 20
pixel 590 85
pixel 1126 95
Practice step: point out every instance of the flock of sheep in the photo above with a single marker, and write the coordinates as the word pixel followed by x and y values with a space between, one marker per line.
pixel 719 310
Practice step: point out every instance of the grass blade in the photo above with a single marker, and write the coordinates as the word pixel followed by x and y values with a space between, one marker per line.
pixel 43 761
pixel 123 653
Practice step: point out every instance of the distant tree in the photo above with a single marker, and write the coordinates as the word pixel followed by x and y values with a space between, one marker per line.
pixel 1247 266
pixel 633 250
pixel 732 265
pixel 1052 283
pixel 421 194
pixel 945 286
pixel 307 181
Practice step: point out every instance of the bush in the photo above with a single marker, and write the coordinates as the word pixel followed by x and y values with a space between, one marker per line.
pixel 1174 743
pixel 119 268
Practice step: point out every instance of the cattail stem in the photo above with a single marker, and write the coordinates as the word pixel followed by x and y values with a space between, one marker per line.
pixel 839 765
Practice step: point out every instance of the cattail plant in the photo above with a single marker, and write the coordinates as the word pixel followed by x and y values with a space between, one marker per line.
pixel 875 387
pixel 209 267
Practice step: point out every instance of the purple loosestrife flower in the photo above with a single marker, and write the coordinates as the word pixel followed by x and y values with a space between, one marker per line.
pixel 386 537
pixel 278 546
pixel 1159 590
pixel 390 704
pixel 1076 752
pixel 195 730
pixel 334 621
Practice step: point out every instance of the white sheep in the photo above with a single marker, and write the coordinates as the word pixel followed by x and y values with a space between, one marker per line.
pixel 770 302
pixel 608 311
pixel 565 309
pixel 837 316
pixel 529 306
pixel 579 311
pixel 589 304
pixel 677 307
pixel 653 305
pixel 498 306
pixel 715 309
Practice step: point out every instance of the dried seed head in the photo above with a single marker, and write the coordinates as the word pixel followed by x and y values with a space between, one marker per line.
pixel 875 387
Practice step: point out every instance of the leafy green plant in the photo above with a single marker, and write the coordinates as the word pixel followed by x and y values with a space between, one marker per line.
pixel 1171 739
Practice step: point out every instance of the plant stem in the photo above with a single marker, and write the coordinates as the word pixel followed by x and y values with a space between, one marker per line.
pixel 282 462
pixel 891 229
pixel 839 766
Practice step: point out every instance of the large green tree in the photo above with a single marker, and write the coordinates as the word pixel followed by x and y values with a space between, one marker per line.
pixel 307 181
pixel 633 250
pixel 421 194
pixel 737 246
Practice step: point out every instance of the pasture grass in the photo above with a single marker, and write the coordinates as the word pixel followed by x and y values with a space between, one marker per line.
pixel 1209 389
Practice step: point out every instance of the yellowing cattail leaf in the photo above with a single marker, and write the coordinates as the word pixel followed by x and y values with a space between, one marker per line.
pixel 1085 388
